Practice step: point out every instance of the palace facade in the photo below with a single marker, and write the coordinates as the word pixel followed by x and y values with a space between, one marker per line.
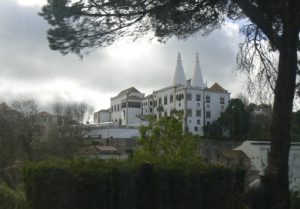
pixel 191 99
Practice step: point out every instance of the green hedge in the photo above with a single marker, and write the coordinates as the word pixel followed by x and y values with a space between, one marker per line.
pixel 120 185
pixel 11 199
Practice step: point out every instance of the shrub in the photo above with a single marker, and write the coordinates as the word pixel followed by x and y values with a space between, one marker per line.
pixel 113 185
pixel 10 199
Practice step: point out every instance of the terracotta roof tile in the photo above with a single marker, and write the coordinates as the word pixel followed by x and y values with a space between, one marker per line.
pixel 44 114
pixel 217 88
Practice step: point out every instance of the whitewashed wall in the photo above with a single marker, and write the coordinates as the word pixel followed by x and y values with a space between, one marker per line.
pixel 257 152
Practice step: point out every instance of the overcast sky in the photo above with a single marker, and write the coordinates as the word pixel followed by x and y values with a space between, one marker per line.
pixel 29 69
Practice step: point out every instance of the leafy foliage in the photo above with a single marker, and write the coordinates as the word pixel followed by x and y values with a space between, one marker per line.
pixel 272 26
pixel 240 122
pixel 295 200
pixel 112 185
pixel 80 25
pixel 164 140
pixel 10 199
pixel 23 137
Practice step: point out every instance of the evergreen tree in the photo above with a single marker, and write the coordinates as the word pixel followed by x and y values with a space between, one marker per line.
pixel 272 26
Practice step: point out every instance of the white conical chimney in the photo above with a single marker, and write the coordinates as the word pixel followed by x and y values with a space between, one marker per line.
pixel 197 80
pixel 179 76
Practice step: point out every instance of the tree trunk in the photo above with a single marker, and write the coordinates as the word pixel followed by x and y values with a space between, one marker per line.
pixel 282 114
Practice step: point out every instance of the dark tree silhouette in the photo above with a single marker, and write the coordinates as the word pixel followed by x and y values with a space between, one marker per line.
pixel 83 25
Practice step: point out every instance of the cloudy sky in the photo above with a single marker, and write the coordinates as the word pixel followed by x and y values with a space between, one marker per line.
pixel 29 69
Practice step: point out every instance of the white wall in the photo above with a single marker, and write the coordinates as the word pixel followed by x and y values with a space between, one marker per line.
pixel 104 116
pixel 129 116
pixel 215 106
pixel 112 131
pixel 132 119
pixel 192 121
pixel 115 114
pixel 194 106
pixel 257 152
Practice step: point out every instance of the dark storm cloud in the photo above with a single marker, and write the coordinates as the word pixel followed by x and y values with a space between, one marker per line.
pixel 25 56
pixel 24 49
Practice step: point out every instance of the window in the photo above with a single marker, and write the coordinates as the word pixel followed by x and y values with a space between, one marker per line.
pixel 115 108
pixel 198 113
pixel 123 105
pixel 179 97
pixel 160 108
pixel 155 103
pixel 118 107
pixel 189 112
pixel 165 100
pixel 222 101
pixel 196 128
pixel 112 108
pixel 150 110
pixel 198 97
pixel 150 103
pixel 137 104
pixel 198 121
pixel 189 96
pixel 134 104
pixel 159 101
pixel 208 114
pixel 171 98
pixel 207 99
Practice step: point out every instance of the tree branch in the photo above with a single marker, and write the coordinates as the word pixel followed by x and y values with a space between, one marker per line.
pixel 256 16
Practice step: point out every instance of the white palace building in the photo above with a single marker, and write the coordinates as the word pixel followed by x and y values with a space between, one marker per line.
pixel 198 104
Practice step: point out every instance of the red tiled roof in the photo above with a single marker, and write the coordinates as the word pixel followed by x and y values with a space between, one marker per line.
pixel 217 88
pixel 44 114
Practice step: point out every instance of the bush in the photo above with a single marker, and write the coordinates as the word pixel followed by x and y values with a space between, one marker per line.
pixel 114 185
pixel 295 199
pixel 10 199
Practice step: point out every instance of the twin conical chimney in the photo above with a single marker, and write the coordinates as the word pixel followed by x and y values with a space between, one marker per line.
pixel 179 75
pixel 197 79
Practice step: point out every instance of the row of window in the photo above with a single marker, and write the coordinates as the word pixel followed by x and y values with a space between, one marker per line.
pixel 145 104
pixel 179 97
pixel 146 111
pixel 117 107
pixel 189 113
pixel 198 97
pixel 198 113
